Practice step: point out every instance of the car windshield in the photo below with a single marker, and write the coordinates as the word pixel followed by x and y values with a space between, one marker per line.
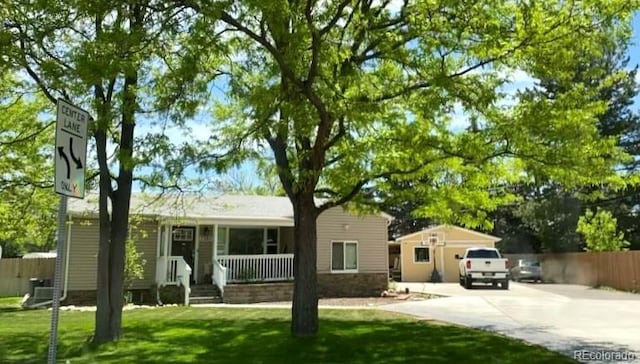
pixel 482 253
pixel 528 263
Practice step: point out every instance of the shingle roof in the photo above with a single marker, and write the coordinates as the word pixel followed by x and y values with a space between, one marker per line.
pixel 444 226
pixel 198 206
pixel 195 206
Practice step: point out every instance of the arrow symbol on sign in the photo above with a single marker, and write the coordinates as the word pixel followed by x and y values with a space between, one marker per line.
pixel 63 155
pixel 77 161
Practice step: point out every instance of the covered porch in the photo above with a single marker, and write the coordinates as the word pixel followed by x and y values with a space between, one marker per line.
pixel 224 252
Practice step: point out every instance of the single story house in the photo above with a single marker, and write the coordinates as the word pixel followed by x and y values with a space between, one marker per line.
pixel 226 241
pixel 436 247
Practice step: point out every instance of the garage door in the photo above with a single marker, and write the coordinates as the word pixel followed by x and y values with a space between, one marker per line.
pixel 451 263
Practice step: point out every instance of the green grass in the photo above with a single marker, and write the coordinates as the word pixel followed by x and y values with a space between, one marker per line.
pixel 235 335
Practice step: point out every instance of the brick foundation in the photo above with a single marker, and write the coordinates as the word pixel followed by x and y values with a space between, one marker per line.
pixel 260 292
pixel 352 284
pixel 329 285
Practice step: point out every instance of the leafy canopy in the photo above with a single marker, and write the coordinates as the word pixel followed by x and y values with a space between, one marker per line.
pixel 27 203
pixel 600 231
pixel 348 95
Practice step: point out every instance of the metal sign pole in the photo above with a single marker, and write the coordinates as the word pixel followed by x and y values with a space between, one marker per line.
pixel 57 283
pixel 71 124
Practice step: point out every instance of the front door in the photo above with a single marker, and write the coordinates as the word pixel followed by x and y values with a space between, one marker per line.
pixel 183 245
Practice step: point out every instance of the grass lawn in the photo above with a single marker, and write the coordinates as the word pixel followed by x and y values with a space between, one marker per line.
pixel 235 335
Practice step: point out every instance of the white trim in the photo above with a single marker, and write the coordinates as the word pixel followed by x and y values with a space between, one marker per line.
pixel 439 227
pixel 196 255
pixel 422 247
pixel 230 221
pixel 226 240
pixel 214 248
pixel 159 239
pixel 167 241
pixel 344 257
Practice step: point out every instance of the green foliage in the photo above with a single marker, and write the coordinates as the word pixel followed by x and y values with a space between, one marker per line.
pixel 347 97
pixel 28 204
pixel 546 217
pixel 134 263
pixel 600 231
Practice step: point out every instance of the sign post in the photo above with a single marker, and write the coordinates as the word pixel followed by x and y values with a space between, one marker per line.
pixel 70 156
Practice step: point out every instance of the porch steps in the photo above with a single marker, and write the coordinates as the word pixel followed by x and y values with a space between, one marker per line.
pixel 204 293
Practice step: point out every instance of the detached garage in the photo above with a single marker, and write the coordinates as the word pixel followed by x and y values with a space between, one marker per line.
pixel 437 246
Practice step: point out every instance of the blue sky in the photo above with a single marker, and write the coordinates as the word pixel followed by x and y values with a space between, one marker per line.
pixel 634 50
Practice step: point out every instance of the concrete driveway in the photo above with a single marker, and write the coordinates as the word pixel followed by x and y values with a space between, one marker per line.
pixel 565 318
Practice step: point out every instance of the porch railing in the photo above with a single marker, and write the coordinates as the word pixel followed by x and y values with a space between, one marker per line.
pixel 219 276
pixel 248 268
pixel 174 270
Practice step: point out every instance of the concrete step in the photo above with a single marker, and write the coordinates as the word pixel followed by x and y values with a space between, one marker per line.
pixel 209 292
pixel 204 299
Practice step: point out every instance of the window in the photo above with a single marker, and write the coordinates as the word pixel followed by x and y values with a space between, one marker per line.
pixel 183 234
pixel 421 254
pixel 245 241
pixel 272 241
pixel 483 254
pixel 344 256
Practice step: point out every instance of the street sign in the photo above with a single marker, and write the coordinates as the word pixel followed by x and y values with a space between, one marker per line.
pixel 71 149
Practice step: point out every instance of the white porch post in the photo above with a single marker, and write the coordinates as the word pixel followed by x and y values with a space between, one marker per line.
pixel 166 240
pixel 215 242
pixel 159 242
pixel 214 252
pixel 197 254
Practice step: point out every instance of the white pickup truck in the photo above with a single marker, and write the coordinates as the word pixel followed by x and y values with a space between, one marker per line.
pixel 484 265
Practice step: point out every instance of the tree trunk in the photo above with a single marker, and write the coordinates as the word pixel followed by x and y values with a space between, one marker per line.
pixel 102 331
pixel 304 313
pixel 114 231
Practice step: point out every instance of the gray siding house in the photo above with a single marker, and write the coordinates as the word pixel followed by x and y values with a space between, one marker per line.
pixel 240 245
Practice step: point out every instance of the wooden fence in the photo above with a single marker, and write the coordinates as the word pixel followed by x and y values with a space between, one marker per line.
pixel 16 272
pixel 620 270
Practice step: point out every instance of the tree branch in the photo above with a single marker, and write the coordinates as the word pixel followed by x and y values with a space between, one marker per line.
pixel 286 70
pixel 21 139
pixel 279 148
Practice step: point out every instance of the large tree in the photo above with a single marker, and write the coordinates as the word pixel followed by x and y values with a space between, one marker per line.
pixel 103 56
pixel 548 210
pixel 26 213
pixel 354 93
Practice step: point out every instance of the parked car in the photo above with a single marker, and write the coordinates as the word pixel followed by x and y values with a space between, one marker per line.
pixel 484 265
pixel 526 270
